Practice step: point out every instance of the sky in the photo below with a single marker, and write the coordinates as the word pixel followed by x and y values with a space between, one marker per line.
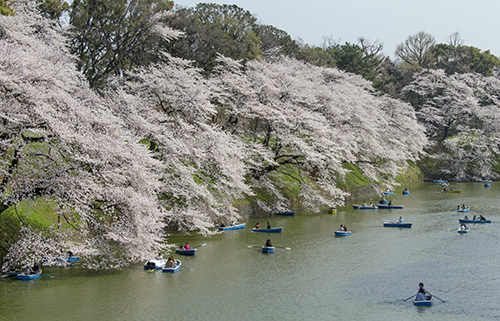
pixel 388 21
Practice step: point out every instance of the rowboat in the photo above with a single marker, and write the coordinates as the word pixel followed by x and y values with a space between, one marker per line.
pixel 392 224
pixel 487 185
pixel 332 210
pixel 29 276
pixel 285 213
pixel 362 207
pixel 267 249
pixel 342 233
pixel 424 303
pixel 186 252
pixel 461 220
pixel 388 193
pixel 73 259
pixel 451 191
pixel 406 192
pixel 173 269
pixel 439 181
pixel 154 263
pixel 466 209
pixel 268 230
pixel 232 227
pixel 461 231
pixel 482 181
pixel 390 206
pixel 382 201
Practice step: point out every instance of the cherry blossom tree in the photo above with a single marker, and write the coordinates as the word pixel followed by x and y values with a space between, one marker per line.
pixel 62 141
pixel 461 110
pixel 315 119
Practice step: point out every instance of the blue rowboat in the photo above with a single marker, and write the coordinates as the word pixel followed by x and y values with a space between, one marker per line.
pixel 467 209
pixel 388 193
pixel 362 207
pixel 154 263
pixel 382 202
pixel 232 227
pixel 406 192
pixel 423 303
pixel 285 214
pixel 30 276
pixel 186 252
pixel 266 230
pixel 482 181
pixel 439 181
pixel 467 229
pixel 267 249
pixel 73 259
pixel 461 220
pixel 172 269
pixel 487 185
pixel 390 206
pixel 392 224
pixel 342 233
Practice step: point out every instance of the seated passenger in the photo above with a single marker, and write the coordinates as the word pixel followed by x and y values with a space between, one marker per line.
pixel 171 262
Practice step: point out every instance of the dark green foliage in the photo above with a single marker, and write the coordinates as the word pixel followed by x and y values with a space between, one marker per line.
pixel 9 232
pixel 111 36
pixel 5 9
pixel 52 9
pixel 210 29
pixel 464 59
pixel 316 56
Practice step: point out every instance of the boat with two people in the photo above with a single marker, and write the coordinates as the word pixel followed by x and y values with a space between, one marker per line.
pixel 364 206
pixel 342 231
pixel 185 250
pixel 423 297
pixel 31 273
pixel 462 229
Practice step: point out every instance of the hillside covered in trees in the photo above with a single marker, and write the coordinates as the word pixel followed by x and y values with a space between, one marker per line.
pixel 137 119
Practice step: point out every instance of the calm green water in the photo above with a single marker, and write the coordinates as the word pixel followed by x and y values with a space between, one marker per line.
pixel 364 276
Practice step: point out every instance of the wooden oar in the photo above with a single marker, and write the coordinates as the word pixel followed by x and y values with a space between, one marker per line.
pixel 10 274
pixel 283 247
pixel 47 275
pixel 409 298
pixel 200 245
pixel 439 298
pixel 186 267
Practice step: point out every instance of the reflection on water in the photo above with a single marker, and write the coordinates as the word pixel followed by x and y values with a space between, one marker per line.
pixel 364 276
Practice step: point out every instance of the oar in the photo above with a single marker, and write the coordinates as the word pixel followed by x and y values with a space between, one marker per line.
pixel 250 246
pixel 409 298
pixel 10 274
pixel 283 247
pixel 186 267
pixel 200 245
pixel 439 298
pixel 47 275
